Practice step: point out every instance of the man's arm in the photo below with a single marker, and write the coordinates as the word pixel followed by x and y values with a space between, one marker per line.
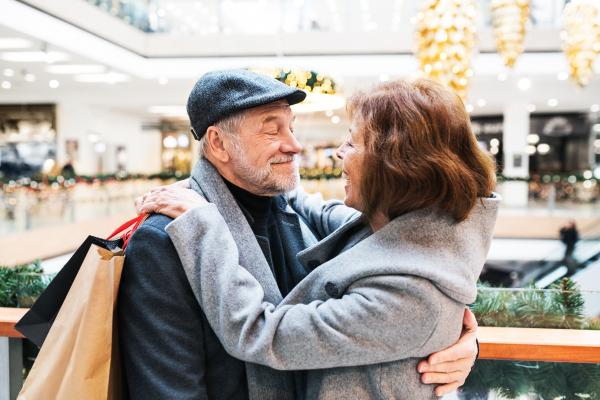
pixel 160 328
pixel 323 216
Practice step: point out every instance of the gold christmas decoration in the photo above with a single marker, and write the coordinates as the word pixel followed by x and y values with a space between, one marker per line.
pixel 444 39
pixel 319 88
pixel 509 18
pixel 581 40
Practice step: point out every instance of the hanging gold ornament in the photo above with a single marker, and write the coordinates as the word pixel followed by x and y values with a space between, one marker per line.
pixel 444 39
pixel 509 18
pixel 581 40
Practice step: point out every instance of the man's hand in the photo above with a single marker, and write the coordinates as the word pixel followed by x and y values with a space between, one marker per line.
pixel 171 200
pixel 452 366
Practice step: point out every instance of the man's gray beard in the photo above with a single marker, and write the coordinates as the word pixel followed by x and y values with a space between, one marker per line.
pixel 267 183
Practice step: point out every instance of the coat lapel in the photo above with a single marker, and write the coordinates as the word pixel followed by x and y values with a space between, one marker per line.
pixel 206 180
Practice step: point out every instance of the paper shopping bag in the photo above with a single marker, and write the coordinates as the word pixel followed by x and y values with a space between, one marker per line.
pixel 79 358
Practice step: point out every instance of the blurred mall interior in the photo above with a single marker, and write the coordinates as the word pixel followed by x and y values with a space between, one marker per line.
pixel 93 95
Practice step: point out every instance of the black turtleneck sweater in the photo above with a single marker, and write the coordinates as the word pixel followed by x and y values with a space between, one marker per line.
pixel 264 225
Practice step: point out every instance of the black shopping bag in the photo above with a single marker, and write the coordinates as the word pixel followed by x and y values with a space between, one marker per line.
pixel 36 323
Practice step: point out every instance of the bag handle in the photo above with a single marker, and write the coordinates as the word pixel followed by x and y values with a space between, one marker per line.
pixel 128 228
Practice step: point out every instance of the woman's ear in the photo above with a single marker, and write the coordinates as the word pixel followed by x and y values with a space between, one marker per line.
pixel 216 139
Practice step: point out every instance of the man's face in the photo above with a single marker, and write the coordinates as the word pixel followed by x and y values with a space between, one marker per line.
pixel 263 154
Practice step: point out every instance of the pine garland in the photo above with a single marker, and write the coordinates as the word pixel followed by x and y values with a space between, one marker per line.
pixel 535 308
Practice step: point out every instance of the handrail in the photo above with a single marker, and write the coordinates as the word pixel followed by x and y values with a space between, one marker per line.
pixel 517 344
pixel 537 344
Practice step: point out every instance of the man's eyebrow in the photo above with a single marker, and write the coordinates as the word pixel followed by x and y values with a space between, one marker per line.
pixel 269 119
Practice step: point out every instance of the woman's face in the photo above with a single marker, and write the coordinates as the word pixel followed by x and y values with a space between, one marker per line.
pixel 351 152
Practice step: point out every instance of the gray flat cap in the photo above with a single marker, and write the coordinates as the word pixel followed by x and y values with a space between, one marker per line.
pixel 220 93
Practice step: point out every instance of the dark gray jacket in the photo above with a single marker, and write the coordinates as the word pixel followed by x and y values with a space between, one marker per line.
pixel 169 350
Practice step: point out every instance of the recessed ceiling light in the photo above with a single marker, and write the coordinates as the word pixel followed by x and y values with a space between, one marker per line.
pixel 335 119
pixel 524 84
pixel 110 77
pixel 595 108
pixel 15 43
pixel 531 108
pixel 552 102
pixel 33 56
pixel 9 72
pixel 29 77
pixel 6 85
pixel 53 84
pixel 481 103
pixel 163 81
pixel 502 77
pixel 469 108
pixel 76 69
pixel 563 76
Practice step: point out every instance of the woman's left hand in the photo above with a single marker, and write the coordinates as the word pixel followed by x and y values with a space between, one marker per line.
pixel 452 365
pixel 170 200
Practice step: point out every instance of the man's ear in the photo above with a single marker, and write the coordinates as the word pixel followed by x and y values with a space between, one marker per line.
pixel 216 139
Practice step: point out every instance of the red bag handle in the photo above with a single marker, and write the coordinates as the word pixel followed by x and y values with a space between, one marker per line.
pixel 128 228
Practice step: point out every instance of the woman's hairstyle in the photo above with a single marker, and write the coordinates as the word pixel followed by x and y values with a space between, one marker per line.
pixel 419 150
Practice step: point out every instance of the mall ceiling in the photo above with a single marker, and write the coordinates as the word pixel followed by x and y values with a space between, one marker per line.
pixel 79 52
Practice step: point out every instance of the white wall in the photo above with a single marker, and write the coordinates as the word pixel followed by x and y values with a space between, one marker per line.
pixel 76 120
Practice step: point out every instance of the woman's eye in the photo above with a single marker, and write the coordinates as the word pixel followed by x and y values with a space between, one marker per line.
pixel 349 144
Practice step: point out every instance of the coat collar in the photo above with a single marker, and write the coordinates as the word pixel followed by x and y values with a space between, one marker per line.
pixel 206 180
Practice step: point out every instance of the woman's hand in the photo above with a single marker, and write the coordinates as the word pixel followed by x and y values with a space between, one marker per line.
pixel 452 365
pixel 170 200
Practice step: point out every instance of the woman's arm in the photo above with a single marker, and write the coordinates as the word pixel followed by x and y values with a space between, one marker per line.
pixel 379 319
pixel 323 216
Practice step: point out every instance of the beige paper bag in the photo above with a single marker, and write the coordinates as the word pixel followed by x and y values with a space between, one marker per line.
pixel 80 358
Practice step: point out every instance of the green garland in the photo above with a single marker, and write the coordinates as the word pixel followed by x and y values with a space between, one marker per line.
pixel 562 309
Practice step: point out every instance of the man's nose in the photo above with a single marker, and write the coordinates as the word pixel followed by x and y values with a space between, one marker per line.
pixel 290 144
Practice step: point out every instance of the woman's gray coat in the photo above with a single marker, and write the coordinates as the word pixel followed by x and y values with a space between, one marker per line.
pixel 361 321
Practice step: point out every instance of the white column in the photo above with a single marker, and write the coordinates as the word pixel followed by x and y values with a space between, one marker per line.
pixel 11 367
pixel 516 159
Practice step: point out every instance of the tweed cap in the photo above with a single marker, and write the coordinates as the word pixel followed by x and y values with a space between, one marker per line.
pixel 220 93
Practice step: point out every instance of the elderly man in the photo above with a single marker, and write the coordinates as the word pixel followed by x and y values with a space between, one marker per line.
pixel 169 351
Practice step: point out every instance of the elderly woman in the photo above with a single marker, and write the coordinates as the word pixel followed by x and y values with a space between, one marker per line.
pixel 386 288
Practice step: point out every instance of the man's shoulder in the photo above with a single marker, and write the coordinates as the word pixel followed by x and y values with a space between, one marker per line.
pixel 156 222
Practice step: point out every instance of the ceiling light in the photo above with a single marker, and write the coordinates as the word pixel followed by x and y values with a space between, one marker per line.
pixel 481 103
pixel 183 140
pixel 9 72
pixel 494 150
pixel 110 77
pixel 469 108
pixel 502 77
pixel 596 127
pixel 76 69
pixel 170 142
pixel 33 56
pixel 552 102
pixel 597 143
pixel 530 150
pixel 531 108
pixel 6 85
pixel 15 43
pixel 335 119
pixel 543 148
pixel 100 147
pixel 163 81
pixel 53 84
pixel 494 143
pixel 533 138
pixel 563 76
pixel 524 84
pixel 595 108
pixel 169 111
pixel 29 77
pixel 587 174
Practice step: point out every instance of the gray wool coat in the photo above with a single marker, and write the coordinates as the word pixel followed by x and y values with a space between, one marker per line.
pixel 360 321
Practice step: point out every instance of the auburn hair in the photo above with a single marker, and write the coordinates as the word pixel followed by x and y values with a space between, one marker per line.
pixel 419 150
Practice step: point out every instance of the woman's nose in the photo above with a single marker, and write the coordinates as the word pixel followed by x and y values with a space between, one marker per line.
pixel 340 152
